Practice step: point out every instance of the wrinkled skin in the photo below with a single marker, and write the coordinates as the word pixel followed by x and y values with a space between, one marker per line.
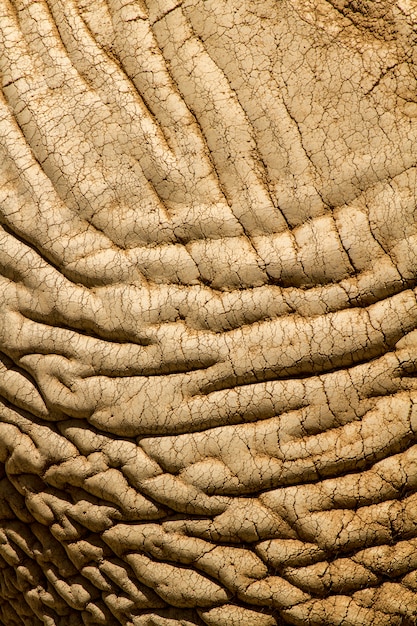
pixel 208 309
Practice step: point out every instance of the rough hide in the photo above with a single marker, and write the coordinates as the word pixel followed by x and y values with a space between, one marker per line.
pixel 208 308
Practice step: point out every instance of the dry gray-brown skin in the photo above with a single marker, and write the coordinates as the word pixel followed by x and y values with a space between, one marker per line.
pixel 208 311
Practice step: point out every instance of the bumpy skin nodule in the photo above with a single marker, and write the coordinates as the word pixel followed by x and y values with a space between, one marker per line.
pixel 208 254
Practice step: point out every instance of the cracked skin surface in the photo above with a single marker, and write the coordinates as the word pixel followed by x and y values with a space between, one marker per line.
pixel 208 322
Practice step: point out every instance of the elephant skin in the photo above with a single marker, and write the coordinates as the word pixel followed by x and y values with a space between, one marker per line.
pixel 208 321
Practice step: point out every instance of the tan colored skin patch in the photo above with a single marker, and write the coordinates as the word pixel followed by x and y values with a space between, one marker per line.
pixel 208 355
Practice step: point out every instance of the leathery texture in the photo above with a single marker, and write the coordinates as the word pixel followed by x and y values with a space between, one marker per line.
pixel 208 308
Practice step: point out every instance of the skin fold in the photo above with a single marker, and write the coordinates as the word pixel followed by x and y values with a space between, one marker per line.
pixel 208 320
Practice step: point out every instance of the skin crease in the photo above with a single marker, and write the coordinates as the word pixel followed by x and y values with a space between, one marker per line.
pixel 208 321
